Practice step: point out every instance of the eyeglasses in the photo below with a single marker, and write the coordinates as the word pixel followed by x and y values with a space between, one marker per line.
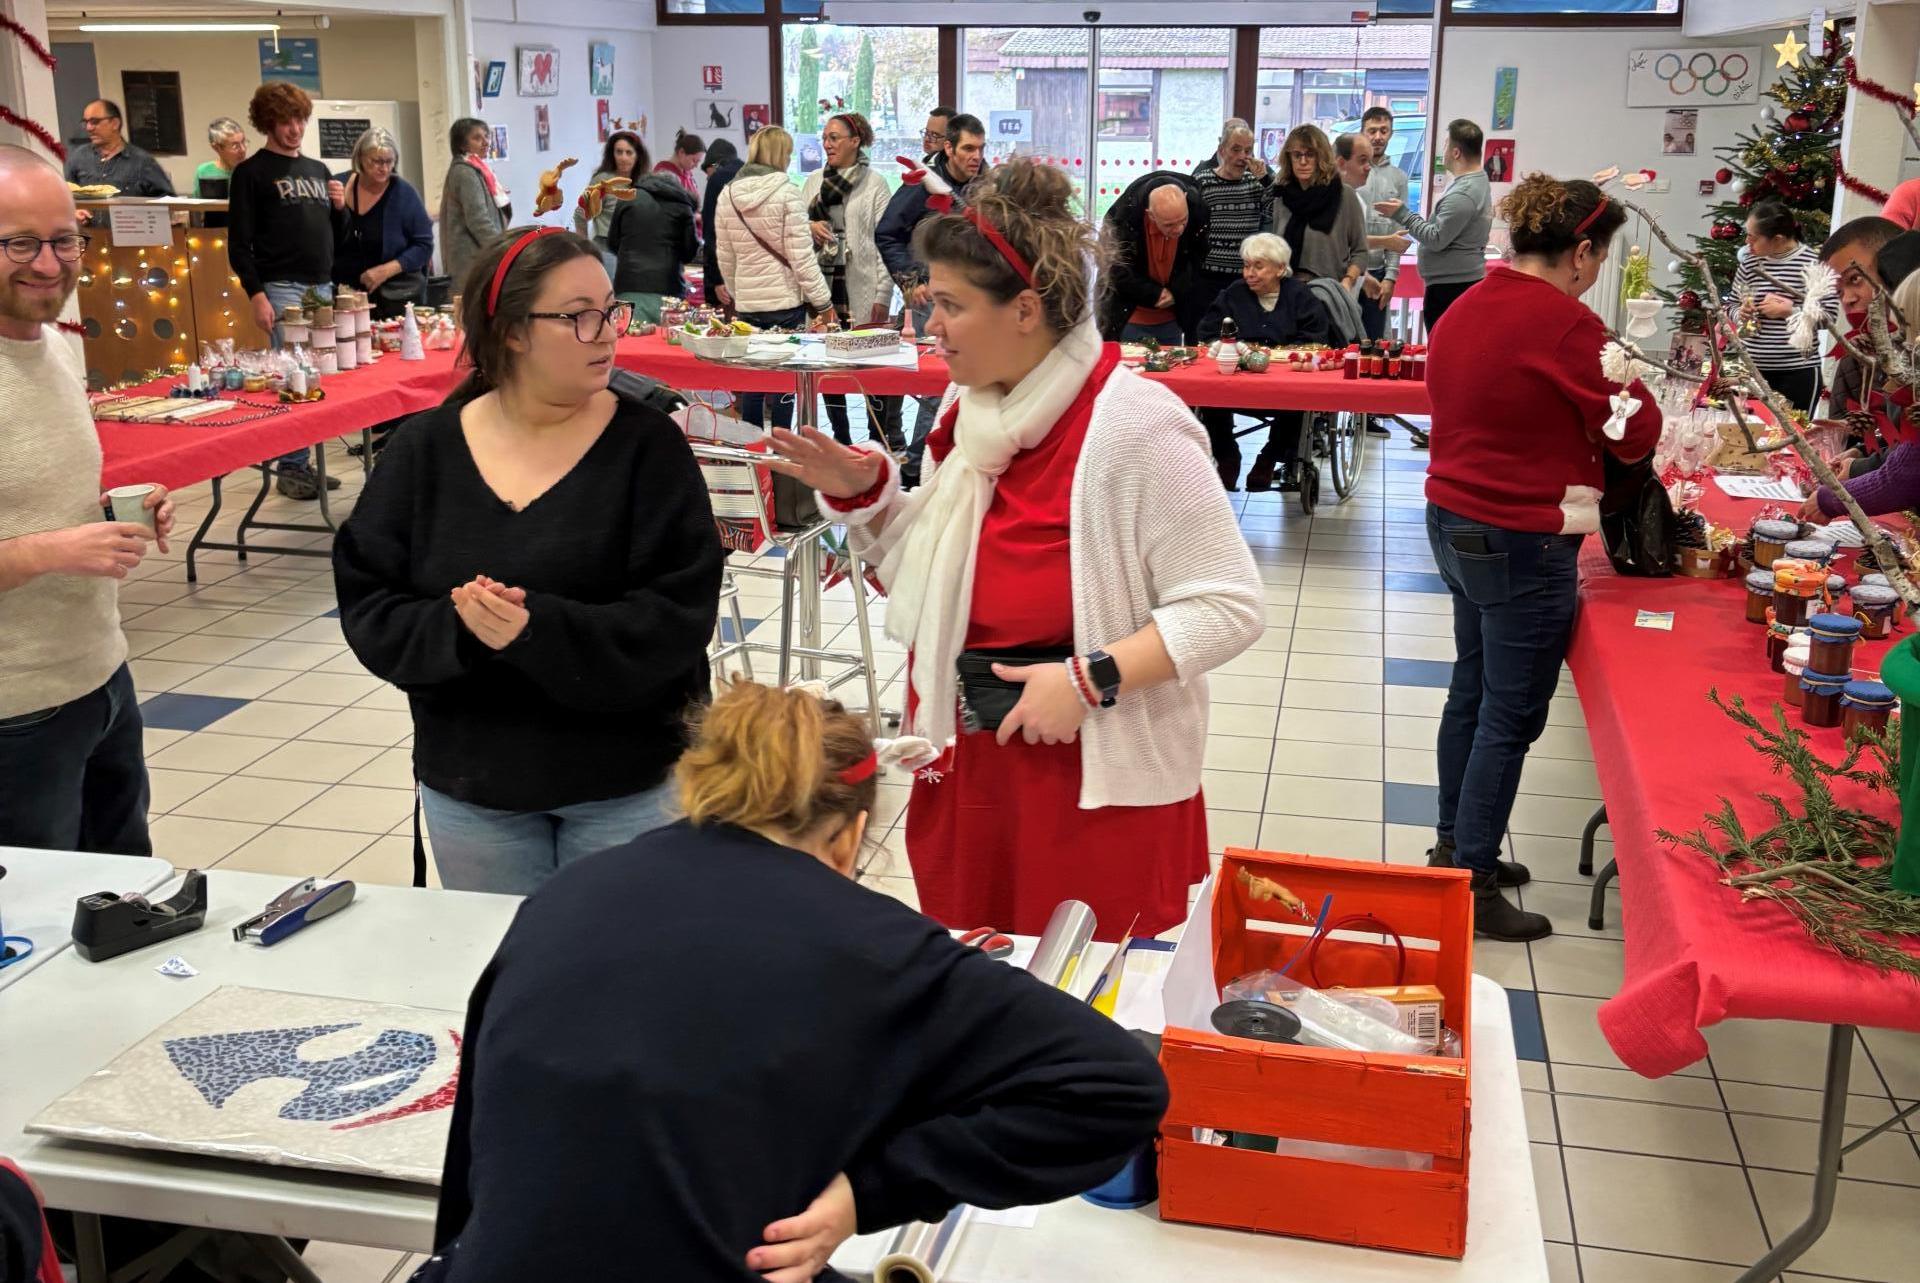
pixel 590 323
pixel 1301 155
pixel 68 249
pixel 91 121
pixel 377 162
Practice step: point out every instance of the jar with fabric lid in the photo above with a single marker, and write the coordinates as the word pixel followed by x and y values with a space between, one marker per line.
pixel 1759 595
pixel 1796 586
pixel 1877 579
pixel 1780 639
pixel 1866 704
pixel 1820 697
pixel 1818 551
pixel 1770 540
pixel 1793 664
pixel 1833 638
pixel 1875 606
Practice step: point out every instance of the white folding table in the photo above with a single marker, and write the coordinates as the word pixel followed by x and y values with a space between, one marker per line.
pixel 41 887
pixel 426 948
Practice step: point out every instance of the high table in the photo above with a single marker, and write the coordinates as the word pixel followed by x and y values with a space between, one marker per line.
pixel 38 894
pixel 426 948
pixel 177 455
pixel 1695 954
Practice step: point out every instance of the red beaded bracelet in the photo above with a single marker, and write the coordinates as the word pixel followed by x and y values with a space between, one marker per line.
pixel 1076 668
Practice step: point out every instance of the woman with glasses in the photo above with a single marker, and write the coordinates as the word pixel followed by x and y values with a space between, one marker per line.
pixel 535 563
pixel 214 179
pixel 389 238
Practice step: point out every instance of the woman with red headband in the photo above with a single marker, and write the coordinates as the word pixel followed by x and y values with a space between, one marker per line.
pixel 1513 488
pixel 840 1064
pixel 1071 563
pixel 535 563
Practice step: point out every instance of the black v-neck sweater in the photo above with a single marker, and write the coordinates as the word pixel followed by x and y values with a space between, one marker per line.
pixel 683 1039
pixel 621 564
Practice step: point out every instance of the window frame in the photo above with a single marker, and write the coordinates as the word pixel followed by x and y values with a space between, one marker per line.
pixel 1445 14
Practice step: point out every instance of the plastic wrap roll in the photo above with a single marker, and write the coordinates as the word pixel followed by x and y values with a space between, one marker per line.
pixel 1057 957
pixel 923 1252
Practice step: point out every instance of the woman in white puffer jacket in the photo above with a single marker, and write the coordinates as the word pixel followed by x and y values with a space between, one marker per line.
pixel 766 253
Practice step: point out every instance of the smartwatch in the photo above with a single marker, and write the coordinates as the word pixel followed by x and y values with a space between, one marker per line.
pixel 1104 672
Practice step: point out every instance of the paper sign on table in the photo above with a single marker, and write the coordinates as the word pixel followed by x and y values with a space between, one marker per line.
pixel 140 224
pixel 1658 619
pixel 1759 488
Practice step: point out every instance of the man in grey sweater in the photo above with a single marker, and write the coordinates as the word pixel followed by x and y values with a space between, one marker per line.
pixel 73 772
pixel 1385 181
pixel 1453 242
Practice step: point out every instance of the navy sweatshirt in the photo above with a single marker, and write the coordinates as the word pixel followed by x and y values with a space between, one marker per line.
pixel 684 1039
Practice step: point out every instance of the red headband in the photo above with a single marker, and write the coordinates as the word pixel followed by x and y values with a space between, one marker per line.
pixel 1587 222
pixel 1001 243
pixel 862 770
pixel 506 262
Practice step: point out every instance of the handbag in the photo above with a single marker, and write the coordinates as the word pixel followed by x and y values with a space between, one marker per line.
pixel 1636 519
pixel 985 699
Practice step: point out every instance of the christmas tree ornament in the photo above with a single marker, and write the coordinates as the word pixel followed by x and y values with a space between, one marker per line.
pixel 1687 301
pixel 1789 50
pixel 1737 186
pixel 1673 267
pixel 1767 114
pixel 1723 175
pixel 1799 122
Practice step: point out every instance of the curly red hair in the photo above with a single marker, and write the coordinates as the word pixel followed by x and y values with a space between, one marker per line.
pixel 277 102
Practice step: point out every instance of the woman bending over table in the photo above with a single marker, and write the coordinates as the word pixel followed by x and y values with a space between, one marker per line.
pixel 535 563
pixel 1074 545
pixel 713 1053
pixel 1269 306
pixel 1513 487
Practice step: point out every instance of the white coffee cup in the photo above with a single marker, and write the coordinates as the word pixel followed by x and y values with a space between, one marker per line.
pixel 128 503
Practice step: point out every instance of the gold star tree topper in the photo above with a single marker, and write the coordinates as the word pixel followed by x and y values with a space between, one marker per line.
pixel 1789 50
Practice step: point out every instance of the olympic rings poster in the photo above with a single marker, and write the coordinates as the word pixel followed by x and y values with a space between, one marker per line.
pixel 1696 77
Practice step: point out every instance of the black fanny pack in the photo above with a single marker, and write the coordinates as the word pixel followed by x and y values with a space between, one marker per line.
pixel 985 700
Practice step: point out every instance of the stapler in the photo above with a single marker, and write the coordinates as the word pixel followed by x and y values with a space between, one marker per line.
pixel 106 925
pixel 300 904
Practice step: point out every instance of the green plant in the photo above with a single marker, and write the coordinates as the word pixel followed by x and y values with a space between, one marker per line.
pixel 1828 865
pixel 862 97
pixel 806 89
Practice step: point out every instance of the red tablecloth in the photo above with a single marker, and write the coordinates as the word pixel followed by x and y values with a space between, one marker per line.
pixel 179 454
pixel 1695 955
pixel 1198 384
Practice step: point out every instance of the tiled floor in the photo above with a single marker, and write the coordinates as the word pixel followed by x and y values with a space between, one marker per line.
pixel 273 750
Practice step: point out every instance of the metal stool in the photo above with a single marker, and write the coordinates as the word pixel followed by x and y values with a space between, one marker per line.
pixel 721 649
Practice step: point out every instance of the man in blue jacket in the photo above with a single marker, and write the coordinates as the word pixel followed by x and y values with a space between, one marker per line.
pixel 959 165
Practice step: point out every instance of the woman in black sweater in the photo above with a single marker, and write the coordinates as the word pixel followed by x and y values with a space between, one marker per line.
pixel 711 1056
pixel 1269 306
pixel 535 563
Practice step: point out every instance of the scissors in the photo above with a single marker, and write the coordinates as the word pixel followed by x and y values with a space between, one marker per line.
pixel 989 942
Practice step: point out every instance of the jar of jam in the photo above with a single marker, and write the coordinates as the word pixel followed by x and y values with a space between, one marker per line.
pixel 1866 705
pixel 1793 664
pixel 1796 586
pixel 1759 595
pixel 1350 363
pixel 1820 697
pixel 1875 606
pixel 1417 358
pixel 1366 359
pixel 1396 361
pixel 1770 540
pixel 1833 638
pixel 1780 639
pixel 1818 551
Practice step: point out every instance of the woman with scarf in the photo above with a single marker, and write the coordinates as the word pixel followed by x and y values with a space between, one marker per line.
pixel 1111 574
pixel 844 201
pixel 1316 215
pixel 475 205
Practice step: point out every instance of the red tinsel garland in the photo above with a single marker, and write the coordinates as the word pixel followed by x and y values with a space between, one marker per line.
pixel 71 327
pixel 1874 89
pixel 31 41
pixel 35 128
pixel 1858 186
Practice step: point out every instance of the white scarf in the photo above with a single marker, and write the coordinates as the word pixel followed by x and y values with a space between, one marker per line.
pixel 929 571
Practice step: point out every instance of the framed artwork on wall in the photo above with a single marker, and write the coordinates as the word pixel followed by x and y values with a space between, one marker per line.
pixel 600 67
pixel 496 79
pixel 542 128
pixel 499 142
pixel 539 70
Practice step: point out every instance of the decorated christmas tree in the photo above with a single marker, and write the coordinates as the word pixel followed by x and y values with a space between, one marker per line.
pixel 1790 157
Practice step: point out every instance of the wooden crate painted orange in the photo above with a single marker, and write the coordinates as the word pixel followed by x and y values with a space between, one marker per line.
pixel 1416 1103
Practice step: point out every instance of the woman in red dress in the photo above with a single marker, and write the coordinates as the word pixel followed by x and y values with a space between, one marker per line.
pixel 1071 510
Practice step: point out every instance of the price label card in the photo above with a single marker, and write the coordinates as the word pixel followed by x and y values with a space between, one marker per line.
pixel 141 224
pixel 1660 619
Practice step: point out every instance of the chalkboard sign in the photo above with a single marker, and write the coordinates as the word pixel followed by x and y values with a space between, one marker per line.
pixel 338 134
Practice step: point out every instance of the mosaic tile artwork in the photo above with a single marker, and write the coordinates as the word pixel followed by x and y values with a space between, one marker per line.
pixel 281 1078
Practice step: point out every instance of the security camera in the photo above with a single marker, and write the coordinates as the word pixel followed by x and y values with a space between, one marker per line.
pixel 1090 15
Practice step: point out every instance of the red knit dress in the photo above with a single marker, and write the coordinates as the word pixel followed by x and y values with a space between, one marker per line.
pixel 995 835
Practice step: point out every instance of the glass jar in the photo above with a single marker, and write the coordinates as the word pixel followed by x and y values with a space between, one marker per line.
pixel 1770 540
pixel 1820 697
pixel 1793 666
pixel 1833 639
pixel 1866 704
pixel 1818 551
pixel 1875 606
pixel 1780 639
pixel 1350 362
pixel 1759 595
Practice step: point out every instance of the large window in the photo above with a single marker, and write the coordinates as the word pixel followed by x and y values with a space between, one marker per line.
pixel 1180 82
pixel 1579 8
pixel 890 75
pixel 1028 85
pixel 1329 76
pixel 738 8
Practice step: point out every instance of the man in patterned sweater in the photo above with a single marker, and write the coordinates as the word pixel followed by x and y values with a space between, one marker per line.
pixel 1237 188
pixel 73 775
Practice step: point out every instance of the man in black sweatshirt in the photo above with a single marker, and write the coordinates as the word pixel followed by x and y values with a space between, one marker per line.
pixel 283 211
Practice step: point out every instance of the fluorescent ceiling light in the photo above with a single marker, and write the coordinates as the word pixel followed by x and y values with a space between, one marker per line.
pixel 180 27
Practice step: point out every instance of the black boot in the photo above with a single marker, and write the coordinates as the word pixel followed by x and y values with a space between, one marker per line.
pixel 1512 873
pixel 1261 478
pixel 1497 919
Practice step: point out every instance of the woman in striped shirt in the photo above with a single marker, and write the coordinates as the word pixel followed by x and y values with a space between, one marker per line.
pixel 1769 284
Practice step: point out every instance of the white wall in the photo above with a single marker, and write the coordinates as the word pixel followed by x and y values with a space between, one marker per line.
pixel 1571 115
pixel 499 26
pixel 678 55
pixel 359 58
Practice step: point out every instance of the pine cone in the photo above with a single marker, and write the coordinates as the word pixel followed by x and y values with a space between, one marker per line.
pixel 1689 530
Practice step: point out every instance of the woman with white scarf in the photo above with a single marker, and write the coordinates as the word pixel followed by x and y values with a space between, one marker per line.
pixel 1070 520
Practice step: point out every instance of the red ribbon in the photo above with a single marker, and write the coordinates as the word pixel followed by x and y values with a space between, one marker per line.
pixel 1014 258
pixel 506 262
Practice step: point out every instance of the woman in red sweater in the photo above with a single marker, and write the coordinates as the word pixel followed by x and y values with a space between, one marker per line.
pixel 1521 416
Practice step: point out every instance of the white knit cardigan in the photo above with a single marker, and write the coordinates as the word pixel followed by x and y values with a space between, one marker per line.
pixel 1153 538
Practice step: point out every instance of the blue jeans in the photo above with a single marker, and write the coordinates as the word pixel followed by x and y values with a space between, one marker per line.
pixel 753 405
pixel 480 849
pixel 283 295
pixel 74 777
pixel 1514 596
pixel 1373 317
pixel 1165 332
